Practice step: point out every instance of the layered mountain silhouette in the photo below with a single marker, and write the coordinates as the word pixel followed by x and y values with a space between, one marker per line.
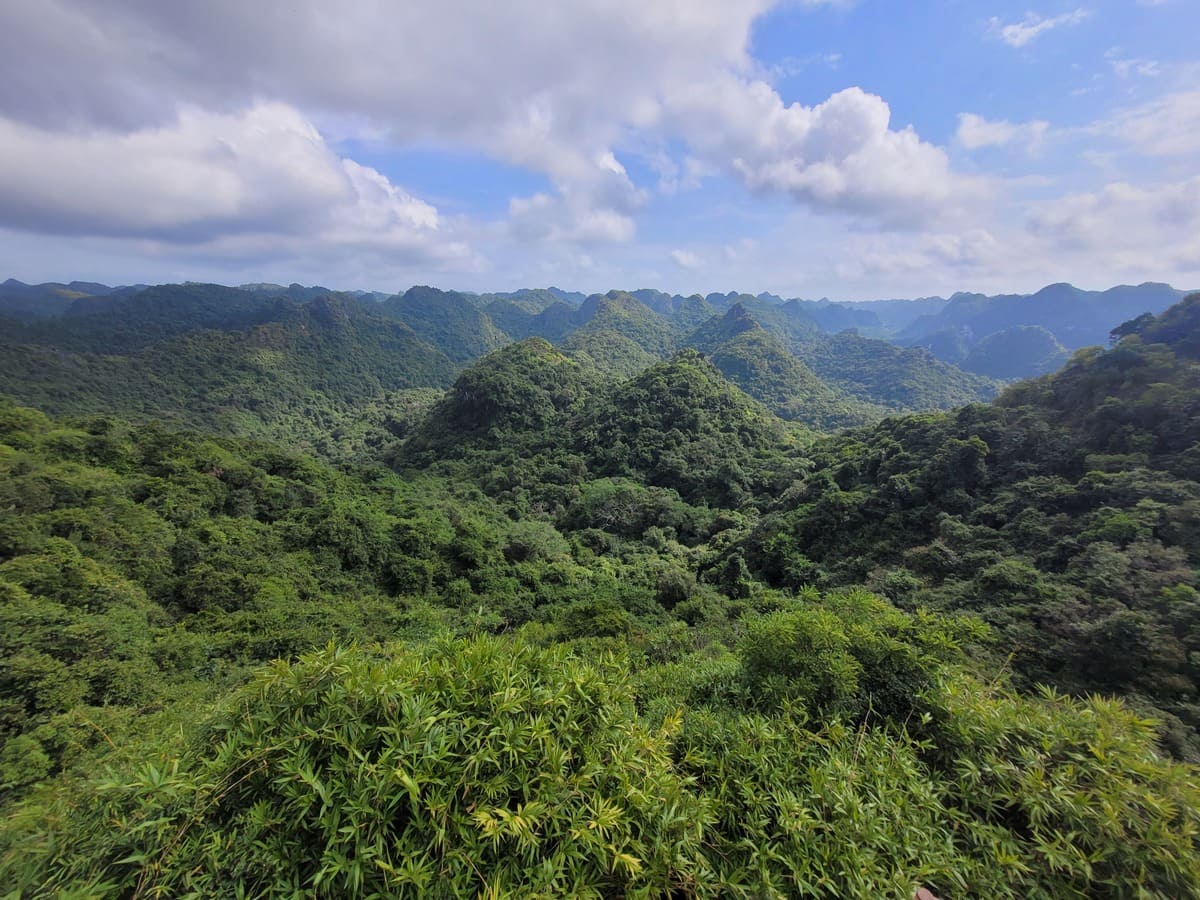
pixel 237 358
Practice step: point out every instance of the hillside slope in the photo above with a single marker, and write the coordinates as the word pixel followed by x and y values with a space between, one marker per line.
pixel 447 320
pixel 757 362
pixel 300 374
pixel 1063 514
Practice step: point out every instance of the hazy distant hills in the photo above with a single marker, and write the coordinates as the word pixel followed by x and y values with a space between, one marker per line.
pixel 260 358
pixel 447 320
pixel 272 368
pixel 757 361
pixel 1072 317
pixel 35 301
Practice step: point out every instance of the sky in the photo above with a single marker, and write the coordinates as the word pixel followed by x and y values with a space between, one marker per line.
pixel 852 149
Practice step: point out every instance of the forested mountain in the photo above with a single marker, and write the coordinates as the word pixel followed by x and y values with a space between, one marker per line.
pixel 606 636
pixel 1063 514
pixel 835 317
pixel 610 353
pixel 24 302
pixel 898 377
pixel 757 362
pixel 1077 318
pixel 872 372
pixel 446 320
pixel 134 352
pixel 565 632
pixel 812 366
pixel 307 374
pixel 1018 352
pixel 119 323
pixel 895 315
pixel 516 394
pixel 681 426
pixel 1072 317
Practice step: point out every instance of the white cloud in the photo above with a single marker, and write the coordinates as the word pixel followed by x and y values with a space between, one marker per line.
pixel 676 176
pixel 549 87
pixel 1147 68
pixel 685 259
pixel 260 177
pixel 1018 34
pixel 1166 126
pixel 559 218
pixel 555 88
pixel 975 131
pixel 839 155
pixel 1142 229
pixel 211 131
pixel 877 257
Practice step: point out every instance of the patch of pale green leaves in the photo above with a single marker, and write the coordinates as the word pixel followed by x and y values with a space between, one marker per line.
pixel 488 767
pixel 480 768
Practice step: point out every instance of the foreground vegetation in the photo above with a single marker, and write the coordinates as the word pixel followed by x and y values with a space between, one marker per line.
pixel 493 767
pixel 602 637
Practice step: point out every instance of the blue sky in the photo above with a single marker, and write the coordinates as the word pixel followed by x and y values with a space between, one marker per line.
pixel 808 147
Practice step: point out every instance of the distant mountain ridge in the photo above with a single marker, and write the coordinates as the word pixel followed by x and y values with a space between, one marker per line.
pixel 1074 318
pixel 757 362
pixel 817 362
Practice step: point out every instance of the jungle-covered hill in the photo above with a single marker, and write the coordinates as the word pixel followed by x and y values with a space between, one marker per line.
pixel 318 369
pixel 563 632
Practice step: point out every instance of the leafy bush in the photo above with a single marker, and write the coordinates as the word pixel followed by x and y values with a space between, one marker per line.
pixel 482 768
pixel 486 767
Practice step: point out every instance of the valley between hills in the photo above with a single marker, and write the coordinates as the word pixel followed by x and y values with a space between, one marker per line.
pixel 321 593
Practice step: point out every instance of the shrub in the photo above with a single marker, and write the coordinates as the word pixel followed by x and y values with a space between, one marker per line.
pixel 482 767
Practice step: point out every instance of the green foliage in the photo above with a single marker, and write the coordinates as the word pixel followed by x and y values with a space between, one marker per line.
pixel 448 321
pixel 1049 807
pixel 618 313
pixel 680 425
pixel 1178 327
pixel 323 376
pixel 122 323
pixel 756 362
pixel 610 353
pixel 482 768
pixel 897 377
pixel 515 393
pixel 138 566
pixel 802 655
pixel 487 767
pixel 1020 352
pixel 1058 514
pixel 1049 799
pixel 852 655
pixel 540 698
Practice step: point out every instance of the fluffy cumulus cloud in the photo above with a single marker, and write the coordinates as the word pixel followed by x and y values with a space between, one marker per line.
pixel 550 87
pixel 840 155
pixel 262 175
pixel 229 130
pixel 1140 229
pixel 555 88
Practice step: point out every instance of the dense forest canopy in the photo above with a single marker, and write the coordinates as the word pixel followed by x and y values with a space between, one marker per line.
pixel 537 594
pixel 320 370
